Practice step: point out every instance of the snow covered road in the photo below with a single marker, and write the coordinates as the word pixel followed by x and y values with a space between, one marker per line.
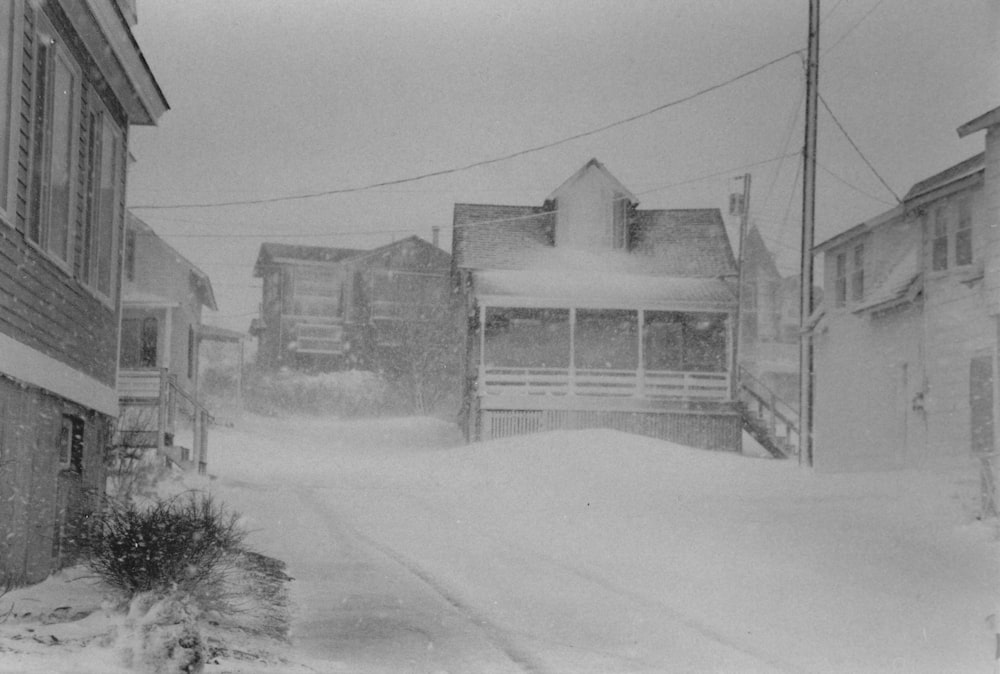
pixel 601 552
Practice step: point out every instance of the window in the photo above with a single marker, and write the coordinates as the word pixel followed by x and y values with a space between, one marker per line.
pixel 103 201
pixel 963 234
pixel 840 280
pixel 939 240
pixel 606 339
pixel 684 342
pixel 523 337
pixel 139 337
pixel 56 92
pixel 315 292
pixel 858 274
pixel 10 10
pixel 71 444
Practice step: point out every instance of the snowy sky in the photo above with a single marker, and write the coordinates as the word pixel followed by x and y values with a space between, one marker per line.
pixel 273 99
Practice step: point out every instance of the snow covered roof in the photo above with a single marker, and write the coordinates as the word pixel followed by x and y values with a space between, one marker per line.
pixel 674 242
pixel 271 253
pixel 142 300
pixel 581 287
pixel 950 175
pixel 900 285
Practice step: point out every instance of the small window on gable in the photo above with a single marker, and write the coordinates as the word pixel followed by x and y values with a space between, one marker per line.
pixel 963 234
pixel 840 280
pixel 939 240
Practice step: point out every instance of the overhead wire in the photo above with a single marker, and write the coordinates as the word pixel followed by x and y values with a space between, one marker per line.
pixel 858 149
pixel 485 162
pixel 853 26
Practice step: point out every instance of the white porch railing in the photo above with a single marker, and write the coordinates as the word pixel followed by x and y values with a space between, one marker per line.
pixel 618 383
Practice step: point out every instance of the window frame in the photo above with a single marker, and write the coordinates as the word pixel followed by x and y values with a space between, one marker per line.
pixel 964 234
pixel 103 221
pixel 939 244
pixel 858 273
pixel 51 52
pixel 840 279
pixel 10 82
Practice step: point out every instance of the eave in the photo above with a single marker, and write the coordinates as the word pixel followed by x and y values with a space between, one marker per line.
pixel 108 39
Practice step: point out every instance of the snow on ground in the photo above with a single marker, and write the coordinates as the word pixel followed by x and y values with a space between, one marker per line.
pixel 593 551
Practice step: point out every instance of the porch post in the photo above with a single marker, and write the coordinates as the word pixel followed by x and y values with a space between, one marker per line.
pixel 481 380
pixel 572 351
pixel 641 368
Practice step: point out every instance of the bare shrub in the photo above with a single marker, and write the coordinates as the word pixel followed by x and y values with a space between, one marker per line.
pixel 178 544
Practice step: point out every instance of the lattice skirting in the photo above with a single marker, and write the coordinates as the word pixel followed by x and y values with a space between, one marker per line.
pixel 720 431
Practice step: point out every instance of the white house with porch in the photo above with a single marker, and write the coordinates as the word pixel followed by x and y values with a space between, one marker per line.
pixel 586 311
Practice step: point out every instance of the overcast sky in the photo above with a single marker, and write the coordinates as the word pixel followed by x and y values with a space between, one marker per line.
pixel 280 98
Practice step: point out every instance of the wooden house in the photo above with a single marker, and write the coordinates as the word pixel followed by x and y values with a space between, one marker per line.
pixel 587 311
pixel 72 82
pixel 331 308
pixel 904 346
pixel 163 295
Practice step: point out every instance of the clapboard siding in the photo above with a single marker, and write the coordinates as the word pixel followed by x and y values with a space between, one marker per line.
pixel 47 306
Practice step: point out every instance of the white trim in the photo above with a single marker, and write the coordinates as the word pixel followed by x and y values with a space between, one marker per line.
pixel 20 361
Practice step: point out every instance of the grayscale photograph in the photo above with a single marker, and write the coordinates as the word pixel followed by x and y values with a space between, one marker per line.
pixel 499 336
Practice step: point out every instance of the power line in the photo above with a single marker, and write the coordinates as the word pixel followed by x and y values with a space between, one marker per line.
pixel 718 173
pixel 855 187
pixel 855 25
pixel 857 149
pixel 485 162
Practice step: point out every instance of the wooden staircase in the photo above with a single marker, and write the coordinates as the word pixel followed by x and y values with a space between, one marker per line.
pixel 771 421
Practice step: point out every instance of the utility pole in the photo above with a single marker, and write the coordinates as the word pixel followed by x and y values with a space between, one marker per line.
pixel 744 210
pixel 806 375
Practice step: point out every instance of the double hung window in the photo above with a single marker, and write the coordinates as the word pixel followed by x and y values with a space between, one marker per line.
pixel 55 103
pixel 10 10
pixel 103 217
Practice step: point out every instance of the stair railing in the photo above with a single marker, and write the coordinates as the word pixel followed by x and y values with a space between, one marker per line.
pixel 780 416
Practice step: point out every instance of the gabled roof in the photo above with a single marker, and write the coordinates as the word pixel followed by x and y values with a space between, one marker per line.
pixel 667 242
pixel 901 284
pixel 201 281
pixel 275 253
pixel 950 175
pixel 594 165
pixel 983 121
pixel 408 241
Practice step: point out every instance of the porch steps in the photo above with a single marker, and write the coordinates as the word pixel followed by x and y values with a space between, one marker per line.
pixel 758 429
pixel 768 419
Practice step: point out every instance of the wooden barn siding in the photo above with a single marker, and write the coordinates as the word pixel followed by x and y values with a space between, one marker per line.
pixel 32 488
pixel 706 431
pixel 44 306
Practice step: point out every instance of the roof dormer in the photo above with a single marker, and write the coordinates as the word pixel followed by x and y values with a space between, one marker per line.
pixel 592 209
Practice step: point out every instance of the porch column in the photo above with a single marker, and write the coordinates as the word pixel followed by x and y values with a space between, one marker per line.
pixel 641 368
pixel 481 380
pixel 572 351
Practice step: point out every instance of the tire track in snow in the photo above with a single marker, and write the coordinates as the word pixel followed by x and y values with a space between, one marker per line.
pixel 674 614
pixel 493 633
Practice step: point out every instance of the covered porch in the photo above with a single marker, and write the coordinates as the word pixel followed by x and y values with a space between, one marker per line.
pixel 644 354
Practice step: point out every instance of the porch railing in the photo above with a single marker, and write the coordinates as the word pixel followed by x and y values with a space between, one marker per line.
pixel 157 390
pixel 660 384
